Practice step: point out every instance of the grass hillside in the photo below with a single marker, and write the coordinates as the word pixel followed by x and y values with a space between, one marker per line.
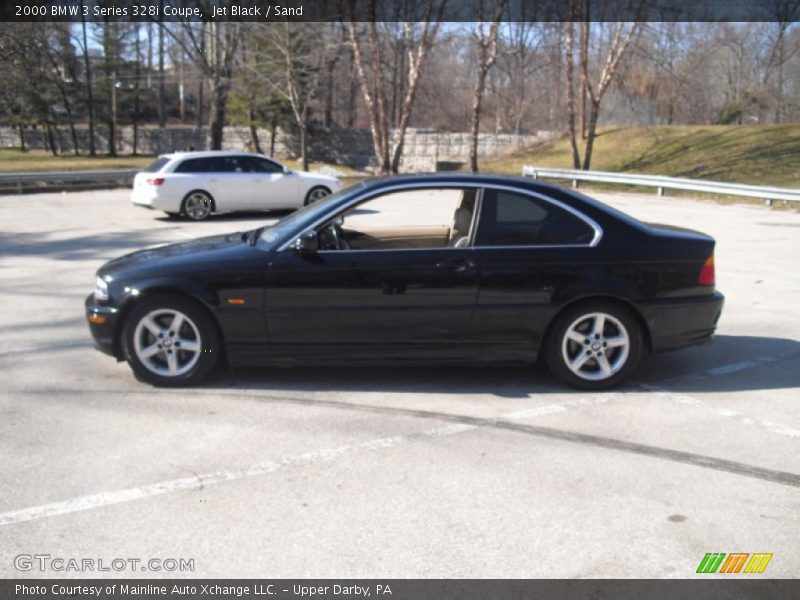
pixel 759 155
pixel 40 160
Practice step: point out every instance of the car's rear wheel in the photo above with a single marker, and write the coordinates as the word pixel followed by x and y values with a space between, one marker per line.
pixel 315 194
pixel 197 206
pixel 594 345
pixel 170 341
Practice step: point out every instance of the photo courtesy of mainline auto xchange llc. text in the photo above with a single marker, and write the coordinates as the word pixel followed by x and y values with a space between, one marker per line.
pixel 409 296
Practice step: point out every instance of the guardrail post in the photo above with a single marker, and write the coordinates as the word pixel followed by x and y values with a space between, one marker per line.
pixel 768 201
pixel 19 187
pixel 660 191
pixel 575 183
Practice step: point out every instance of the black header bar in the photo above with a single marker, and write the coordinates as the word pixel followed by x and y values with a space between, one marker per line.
pixel 398 10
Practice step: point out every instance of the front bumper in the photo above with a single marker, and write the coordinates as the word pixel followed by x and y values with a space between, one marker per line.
pixel 680 322
pixel 102 325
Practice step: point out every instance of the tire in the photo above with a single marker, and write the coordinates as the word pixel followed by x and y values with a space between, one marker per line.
pixel 196 344
pixel 594 345
pixel 197 205
pixel 316 193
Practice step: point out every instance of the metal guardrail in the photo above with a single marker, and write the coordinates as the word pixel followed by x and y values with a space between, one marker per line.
pixel 20 181
pixel 770 194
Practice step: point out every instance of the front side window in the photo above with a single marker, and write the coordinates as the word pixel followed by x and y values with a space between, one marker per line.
pixel 514 219
pixel 232 164
pixel 262 165
pixel 404 219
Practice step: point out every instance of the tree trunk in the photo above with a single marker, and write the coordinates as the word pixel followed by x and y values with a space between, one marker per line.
pixel 68 108
pixel 162 117
pixel 22 147
pixel 50 141
pixel 137 46
pixel 570 49
pixel 254 141
pixel 273 132
pixel 89 98
pixel 584 61
pixel 477 100
pixel 304 146
pixel 591 133
pixel 219 102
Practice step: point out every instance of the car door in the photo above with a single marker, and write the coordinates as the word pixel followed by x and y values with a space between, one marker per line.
pixel 232 183
pixel 531 248
pixel 357 301
pixel 273 188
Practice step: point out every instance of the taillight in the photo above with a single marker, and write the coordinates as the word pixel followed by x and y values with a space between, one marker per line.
pixel 707 272
pixel 155 180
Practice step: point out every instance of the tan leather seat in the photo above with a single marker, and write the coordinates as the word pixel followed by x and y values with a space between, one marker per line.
pixel 459 234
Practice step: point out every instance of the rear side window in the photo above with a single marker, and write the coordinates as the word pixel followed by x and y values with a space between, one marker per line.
pixel 198 165
pixel 156 165
pixel 513 219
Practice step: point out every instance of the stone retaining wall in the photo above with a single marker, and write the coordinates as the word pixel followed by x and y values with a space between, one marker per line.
pixel 352 147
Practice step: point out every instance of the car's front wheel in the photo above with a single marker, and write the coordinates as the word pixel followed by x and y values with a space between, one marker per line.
pixel 315 194
pixel 594 345
pixel 170 341
pixel 197 206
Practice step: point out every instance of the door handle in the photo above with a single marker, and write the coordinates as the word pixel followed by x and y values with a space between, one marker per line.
pixel 458 265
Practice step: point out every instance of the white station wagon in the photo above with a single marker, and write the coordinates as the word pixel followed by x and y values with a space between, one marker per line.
pixel 196 184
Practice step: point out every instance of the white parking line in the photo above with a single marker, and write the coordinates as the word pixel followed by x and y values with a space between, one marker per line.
pixel 728 369
pixel 200 481
pixel 723 412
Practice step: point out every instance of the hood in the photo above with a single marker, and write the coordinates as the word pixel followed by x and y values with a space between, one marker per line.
pixel 319 178
pixel 181 258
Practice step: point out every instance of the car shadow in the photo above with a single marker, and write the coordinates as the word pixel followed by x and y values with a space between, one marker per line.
pixel 232 216
pixel 731 363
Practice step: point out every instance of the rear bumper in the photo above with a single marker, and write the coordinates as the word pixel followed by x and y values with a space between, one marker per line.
pixel 148 196
pixel 102 325
pixel 680 322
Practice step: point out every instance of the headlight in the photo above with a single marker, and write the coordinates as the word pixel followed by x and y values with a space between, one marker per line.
pixel 100 289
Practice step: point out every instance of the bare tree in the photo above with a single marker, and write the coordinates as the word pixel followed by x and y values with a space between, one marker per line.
pixel 486 42
pixel 620 37
pixel 88 77
pixel 212 46
pixel 785 13
pixel 304 53
pixel 418 39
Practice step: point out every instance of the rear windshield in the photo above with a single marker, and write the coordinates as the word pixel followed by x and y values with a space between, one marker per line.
pixel 156 165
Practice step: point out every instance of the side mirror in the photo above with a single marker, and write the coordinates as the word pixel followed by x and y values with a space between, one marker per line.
pixel 287 171
pixel 306 243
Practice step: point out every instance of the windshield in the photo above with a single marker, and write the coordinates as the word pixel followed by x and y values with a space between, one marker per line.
pixel 299 220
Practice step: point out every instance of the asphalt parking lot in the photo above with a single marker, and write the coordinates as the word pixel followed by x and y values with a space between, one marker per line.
pixel 456 472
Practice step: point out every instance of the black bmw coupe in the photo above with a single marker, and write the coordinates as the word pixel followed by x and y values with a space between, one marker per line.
pixel 416 269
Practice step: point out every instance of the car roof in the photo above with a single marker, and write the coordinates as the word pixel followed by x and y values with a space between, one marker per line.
pixel 456 177
pixel 209 154
pixel 589 206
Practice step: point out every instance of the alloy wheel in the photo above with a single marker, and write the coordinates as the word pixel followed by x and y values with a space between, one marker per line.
pixel 197 206
pixel 167 342
pixel 596 346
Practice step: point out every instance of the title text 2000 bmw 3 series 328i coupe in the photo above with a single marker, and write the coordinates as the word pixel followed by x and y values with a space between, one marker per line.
pixel 448 269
